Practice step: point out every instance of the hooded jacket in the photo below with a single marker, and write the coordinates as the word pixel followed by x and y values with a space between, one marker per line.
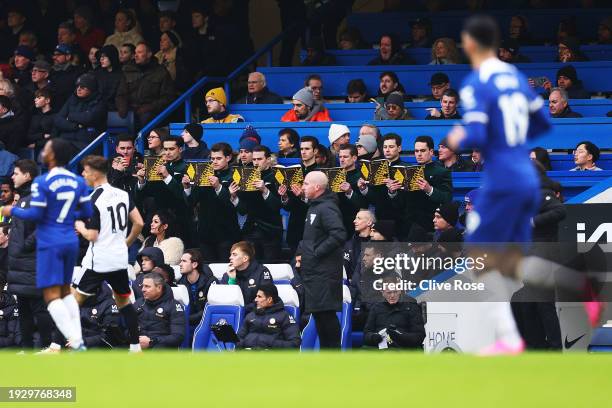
pixel 322 254
pixel 156 255
pixel 108 82
pixel 162 320
pixel 269 328
pixel 22 251
pixel 10 334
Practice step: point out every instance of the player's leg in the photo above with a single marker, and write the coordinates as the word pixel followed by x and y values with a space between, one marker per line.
pixel 69 255
pixel 121 293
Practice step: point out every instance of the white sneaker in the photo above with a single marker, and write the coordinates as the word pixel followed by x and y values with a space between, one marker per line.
pixel 53 348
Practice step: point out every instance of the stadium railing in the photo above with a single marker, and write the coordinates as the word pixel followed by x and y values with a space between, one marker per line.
pixel 543 23
pixel 422 56
pixel 365 111
pixel 285 81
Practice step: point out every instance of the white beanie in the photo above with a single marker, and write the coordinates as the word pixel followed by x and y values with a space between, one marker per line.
pixel 336 131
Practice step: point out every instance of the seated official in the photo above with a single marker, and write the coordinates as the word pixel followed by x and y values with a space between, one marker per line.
pixel 10 335
pixel 398 319
pixel 246 272
pixel 269 326
pixel 101 320
pixel 161 318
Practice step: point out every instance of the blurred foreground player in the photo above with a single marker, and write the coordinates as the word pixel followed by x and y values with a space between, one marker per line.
pixel 107 232
pixel 59 198
pixel 501 113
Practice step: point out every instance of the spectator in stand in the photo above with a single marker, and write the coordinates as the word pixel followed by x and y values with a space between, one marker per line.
pixel 338 135
pixel 519 30
pixel 195 147
pixel 167 21
pixel 390 52
pixel 567 28
pixel 439 84
pixel 42 124
pixel 28 38
pixel 585 156
pixel 126 30
pixel 288 139
pixel 126 53
pixel 315 83
pixel 316 55
pixel 263 226
pixel 167 194
pixel 165 329
pixel 64 73
pixel 569 51
pixel 323 157
pixel 420 33
pixel 449 104
pixel 11 127
pixel 567 78
pixel 170 56
pixel 258 91
pixel 451 159
pixel 350 199
pixel 40 77
pixel 360 234
pixel 22 75
pixel 395 323
pixel 124 164
pixel 477 160
pixel 389 82
pixel 445 218
pixel 246 272
pixel 367 147
pixel 83 116
pixel 393 108
pixel 109 75
pixel 245 153
pixel 541 155
pixel 145 87
pixel 509 52
pixel 350 39
pixel 93 60
pixel 356 91
pixel 16 22
pixel 604 31
pixel 206 44
pixel 197 277
pixel 558 105
pixel 305 109
pixel 269 326
pixel 216 105
pixel 155 141
pixel 163 237
pixel 444 51
pixel 218 226
pixel 87 36
pixel 372 130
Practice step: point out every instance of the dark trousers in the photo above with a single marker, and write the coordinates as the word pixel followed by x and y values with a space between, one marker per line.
pixel 328 328
pixel 216 251
pixel 33 315
pixel 267 248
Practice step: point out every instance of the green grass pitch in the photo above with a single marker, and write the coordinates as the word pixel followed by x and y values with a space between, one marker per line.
pixel 351 379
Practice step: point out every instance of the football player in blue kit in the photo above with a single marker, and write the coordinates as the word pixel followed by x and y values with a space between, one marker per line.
pixel 501 114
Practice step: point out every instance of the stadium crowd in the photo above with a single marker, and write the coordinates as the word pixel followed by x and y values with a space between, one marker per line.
pixel 137 61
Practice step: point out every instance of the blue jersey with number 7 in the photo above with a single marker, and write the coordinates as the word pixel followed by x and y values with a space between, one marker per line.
pixel 501 113
pixel 59 198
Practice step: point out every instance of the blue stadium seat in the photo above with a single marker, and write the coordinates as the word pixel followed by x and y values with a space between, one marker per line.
pixel 281 273
pixel 225 302
pixel 310 338
pixel 365 111
pixel 218 269
pixel 290 299
pixel 116 124
pixel 423 55
pixel 186 344
pixel 285 81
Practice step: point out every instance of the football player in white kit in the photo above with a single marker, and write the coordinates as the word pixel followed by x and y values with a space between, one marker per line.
pixel 107 232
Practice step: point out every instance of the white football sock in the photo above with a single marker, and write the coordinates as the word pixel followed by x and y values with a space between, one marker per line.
pixel 61 316
pixel 500 314
pixel 75 316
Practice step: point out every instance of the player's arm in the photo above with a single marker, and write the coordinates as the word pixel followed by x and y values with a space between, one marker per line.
pixel 90 230
pixel 35 212
pixel 473 133
pixel 137 226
